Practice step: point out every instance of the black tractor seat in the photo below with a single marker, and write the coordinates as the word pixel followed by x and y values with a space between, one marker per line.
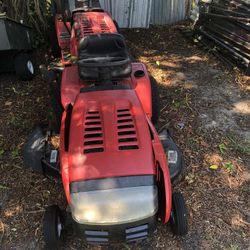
pixel 103 57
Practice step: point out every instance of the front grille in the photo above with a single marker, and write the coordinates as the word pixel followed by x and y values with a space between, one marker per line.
pixel 127 136
pixel 97 237
pixel 93 133
pixel 137 233
pixel 127 235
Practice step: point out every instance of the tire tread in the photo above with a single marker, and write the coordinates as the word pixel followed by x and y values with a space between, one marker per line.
pixel 181 215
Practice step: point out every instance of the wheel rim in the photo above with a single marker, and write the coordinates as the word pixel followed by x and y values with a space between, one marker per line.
pixel 59 227
pixel 30 67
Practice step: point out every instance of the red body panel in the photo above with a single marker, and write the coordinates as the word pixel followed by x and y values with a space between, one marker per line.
pixel 165 195
pixel 64 162
pixel 94 22
pixel 112 162
pixel 71 85
pixel 63 37
pixel 84 24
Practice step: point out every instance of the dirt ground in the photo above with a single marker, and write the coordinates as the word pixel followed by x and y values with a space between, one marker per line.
pixel 208 105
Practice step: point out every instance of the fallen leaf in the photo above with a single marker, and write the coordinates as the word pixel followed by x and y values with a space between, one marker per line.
pixel 157 63
pixel 8 103
pixel 214 167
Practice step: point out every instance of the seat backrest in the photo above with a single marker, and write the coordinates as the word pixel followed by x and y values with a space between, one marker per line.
pixel 102 45
pixel 103 56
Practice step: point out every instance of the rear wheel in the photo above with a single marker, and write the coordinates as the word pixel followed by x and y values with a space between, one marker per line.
pixel 155 100
pixel 52 226
pixel 24 67
pixel 179 215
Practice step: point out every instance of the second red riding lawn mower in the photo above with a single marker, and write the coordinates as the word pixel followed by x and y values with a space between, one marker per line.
pixel 115 168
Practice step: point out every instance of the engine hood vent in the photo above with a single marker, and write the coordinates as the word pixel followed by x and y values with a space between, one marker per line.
pixel 93 133
pixel 127 135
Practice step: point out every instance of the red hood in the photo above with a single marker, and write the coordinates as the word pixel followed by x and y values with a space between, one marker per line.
pixel 109 137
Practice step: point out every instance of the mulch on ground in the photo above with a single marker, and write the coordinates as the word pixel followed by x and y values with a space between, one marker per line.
pixel 195 88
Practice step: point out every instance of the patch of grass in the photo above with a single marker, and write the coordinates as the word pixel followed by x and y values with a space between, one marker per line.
pixel 12 121
pixel 223 148
pixel 3 187
pixel 15 153
pixel 236 144
pixel 229 166
pixel 239 145
pixel 1 152
pixel 234 247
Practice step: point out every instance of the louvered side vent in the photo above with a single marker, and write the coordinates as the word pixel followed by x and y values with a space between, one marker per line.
pixel 93 133
pixel 127 136
pixel 86 27
pixel 104 26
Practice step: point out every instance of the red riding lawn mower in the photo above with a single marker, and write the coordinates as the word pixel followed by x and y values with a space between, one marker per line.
pixel 115 168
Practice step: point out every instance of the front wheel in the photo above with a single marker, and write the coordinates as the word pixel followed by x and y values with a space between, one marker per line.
pixel 179 215
pixel 24 67
pixel 52 226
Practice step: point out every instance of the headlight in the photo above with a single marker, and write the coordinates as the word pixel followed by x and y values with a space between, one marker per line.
pixel 114 205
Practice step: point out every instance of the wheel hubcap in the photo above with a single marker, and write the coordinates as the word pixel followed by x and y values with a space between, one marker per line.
pixel 30 67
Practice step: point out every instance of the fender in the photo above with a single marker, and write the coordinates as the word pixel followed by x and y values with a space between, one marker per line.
pixel 64 162
pixel 142 87
pixel 163 177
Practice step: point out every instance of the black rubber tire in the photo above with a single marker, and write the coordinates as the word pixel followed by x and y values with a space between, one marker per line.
pixel 22 60
pixel 155 100
pixel 179 215
pixel 50 226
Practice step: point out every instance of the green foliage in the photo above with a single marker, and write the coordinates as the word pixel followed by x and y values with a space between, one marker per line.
pixel 35 13
pixel 239 145
pixel 222 148
pixel 229 166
